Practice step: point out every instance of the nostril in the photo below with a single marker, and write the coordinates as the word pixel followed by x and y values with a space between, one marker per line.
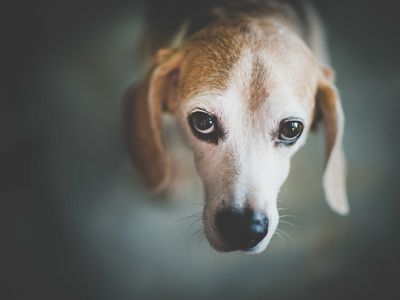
pixel 241 229
pixel 258 228
pixel 229 223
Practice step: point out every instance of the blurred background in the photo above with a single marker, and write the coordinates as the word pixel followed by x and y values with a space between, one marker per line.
pixel 76 223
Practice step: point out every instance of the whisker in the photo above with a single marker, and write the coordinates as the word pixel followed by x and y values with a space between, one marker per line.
pixel 200 237
pixel 290 216
pixel 289 237
pixel 194 222
pixel 197 214
pixel 288 223
pixel 278 234
pixel 196 233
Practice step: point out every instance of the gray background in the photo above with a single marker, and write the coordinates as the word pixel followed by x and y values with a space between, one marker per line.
pixel 76 224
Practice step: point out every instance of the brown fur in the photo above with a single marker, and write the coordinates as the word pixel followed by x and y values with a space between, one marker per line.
pixel 144 104
pixel 206 60
pixel 210 56
pixel 258 85
pixel 327 99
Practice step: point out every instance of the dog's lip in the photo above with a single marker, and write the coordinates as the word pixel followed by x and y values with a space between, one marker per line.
pixel 256 249
pixel 250 251
pixel 226 248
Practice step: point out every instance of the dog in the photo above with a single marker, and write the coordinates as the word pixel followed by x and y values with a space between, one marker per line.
pixel 245 84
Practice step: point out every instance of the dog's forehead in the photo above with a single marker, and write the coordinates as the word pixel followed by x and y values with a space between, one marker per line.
pixel 276 85
pixel 210 57
pixel 259 63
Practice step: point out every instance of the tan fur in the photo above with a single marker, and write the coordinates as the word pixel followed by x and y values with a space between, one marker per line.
pixel 210 57
pixel 335 172
pixel 258 89
pixel 281 59
pixel 212 53
pixel 145 102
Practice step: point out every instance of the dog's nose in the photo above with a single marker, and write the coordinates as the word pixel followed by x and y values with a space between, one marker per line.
pixel 241 229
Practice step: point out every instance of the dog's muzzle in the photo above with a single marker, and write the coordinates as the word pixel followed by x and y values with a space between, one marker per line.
pixel 241 229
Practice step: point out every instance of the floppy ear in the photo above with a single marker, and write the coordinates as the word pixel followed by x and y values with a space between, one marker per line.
pixel 144 105
pixel 330 109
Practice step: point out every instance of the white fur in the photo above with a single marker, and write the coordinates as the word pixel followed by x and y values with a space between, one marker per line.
pixel 247 167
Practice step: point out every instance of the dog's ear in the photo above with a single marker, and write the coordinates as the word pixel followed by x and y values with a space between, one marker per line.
pixel 329 108
pixel 144 105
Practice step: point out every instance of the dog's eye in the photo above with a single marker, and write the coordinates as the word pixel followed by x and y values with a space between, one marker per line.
pixel 290 131
pixel 204 126
pixel 202 122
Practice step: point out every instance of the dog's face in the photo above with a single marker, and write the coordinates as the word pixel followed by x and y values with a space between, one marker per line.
pixel 245 98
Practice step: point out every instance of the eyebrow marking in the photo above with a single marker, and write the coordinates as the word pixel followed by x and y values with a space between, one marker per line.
pixel 258 84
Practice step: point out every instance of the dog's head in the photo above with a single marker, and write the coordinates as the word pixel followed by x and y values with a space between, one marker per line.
pixel 245 96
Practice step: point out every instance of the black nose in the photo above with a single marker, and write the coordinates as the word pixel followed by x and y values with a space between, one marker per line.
pixel 241 229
